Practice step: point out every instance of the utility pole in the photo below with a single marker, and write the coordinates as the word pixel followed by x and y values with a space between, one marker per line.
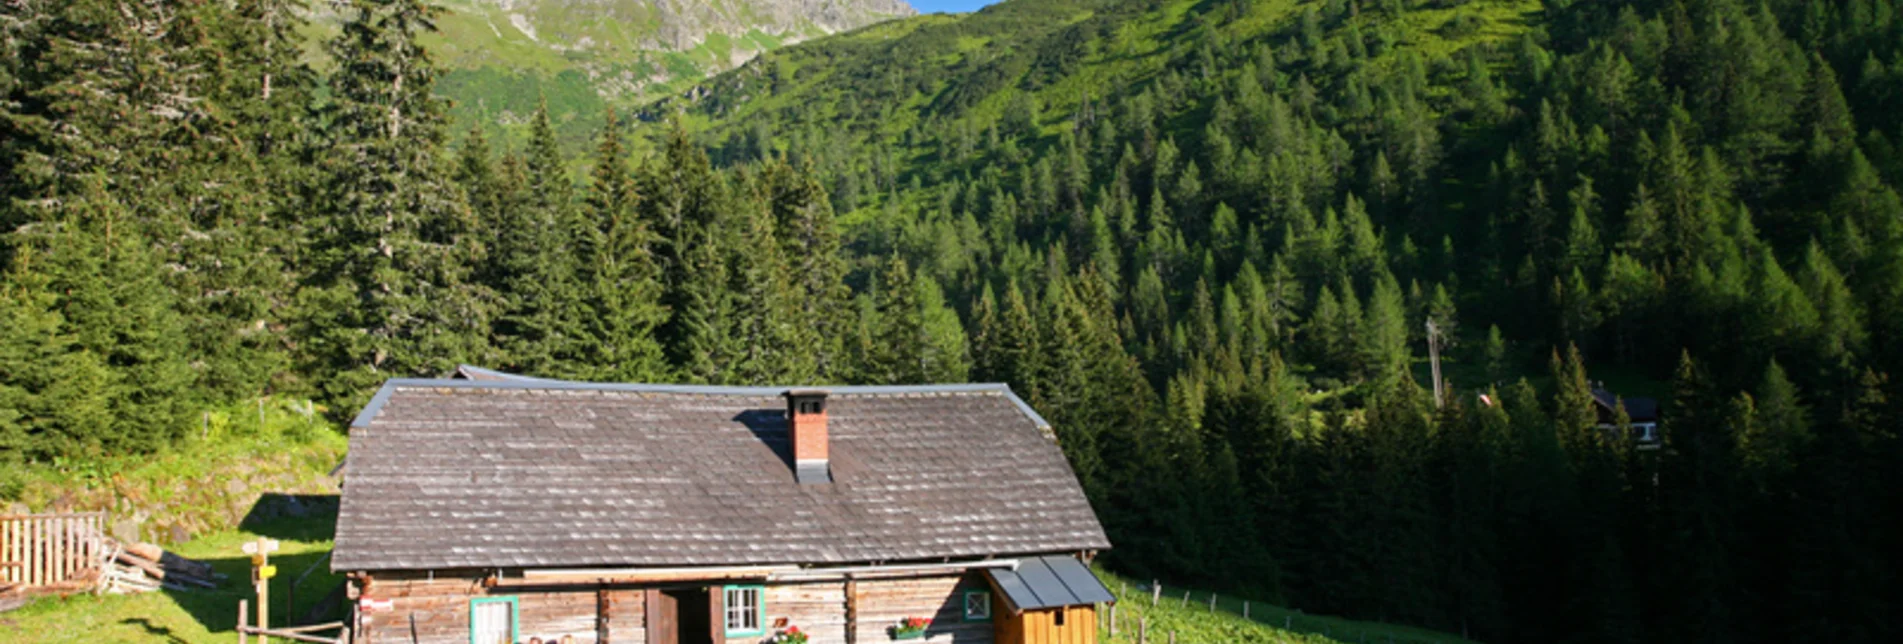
pixel 261 573
pixel 1433 358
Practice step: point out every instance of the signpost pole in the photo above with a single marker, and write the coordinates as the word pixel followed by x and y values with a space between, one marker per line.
pixel 261 573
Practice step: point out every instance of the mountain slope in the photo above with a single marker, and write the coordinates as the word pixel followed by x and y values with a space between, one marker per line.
pixel 1268 207
pixel 500 57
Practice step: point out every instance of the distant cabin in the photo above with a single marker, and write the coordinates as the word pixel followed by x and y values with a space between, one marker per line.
pixel 1642 415
pixel 499 508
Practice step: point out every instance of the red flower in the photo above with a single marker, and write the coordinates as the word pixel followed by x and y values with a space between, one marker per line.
pixel 793 629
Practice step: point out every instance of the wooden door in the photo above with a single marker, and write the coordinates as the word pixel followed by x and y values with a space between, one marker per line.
pixel 663 612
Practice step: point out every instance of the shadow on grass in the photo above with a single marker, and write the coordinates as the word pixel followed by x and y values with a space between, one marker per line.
pixel 158 633
pixel 292 517
pixel 306 523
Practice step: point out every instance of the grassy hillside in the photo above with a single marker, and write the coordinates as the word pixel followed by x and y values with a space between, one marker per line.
pixel 1189 615
pixel 499 59
pixel 958 70
pixel 1265 205
pixel 207 485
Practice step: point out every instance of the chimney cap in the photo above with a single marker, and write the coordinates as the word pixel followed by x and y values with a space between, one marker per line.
pixel 806 393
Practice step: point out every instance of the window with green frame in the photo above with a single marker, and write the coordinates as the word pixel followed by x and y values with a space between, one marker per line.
pixel 977 606
pixel 745 610
pixel 494 620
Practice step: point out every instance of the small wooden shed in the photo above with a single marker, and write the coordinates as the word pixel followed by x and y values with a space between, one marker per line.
pixel 1047 600
pixel 499 508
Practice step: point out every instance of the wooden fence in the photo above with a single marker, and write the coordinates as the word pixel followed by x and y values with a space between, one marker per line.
pixel 39 550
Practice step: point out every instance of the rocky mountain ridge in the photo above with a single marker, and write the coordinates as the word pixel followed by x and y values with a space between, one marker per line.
pixel 501 58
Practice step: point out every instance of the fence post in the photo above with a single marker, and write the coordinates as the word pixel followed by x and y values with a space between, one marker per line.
pixel 1156 591
pixel 244 608
pixel 1185 603
pixel 1245 609
pixel 1143 630
pixel 1172 637
pixel 1212 602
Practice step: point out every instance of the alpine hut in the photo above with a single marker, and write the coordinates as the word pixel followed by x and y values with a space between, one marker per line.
pixel 500 508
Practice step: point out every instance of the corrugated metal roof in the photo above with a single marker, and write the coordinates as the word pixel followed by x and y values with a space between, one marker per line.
pixel 1049 582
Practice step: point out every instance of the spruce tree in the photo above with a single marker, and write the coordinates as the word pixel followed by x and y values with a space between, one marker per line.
pixel 615 263
pixel 809 241
pixel 898 352
pixel 110 320
pixel 391 292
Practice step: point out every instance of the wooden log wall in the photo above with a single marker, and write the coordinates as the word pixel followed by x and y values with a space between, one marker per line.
pixel 819 608
pixel 50 549
pixel 427 611
pixel 436 611
pixel 881 603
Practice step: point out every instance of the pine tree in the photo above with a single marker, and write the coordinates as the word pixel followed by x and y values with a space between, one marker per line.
pixel 55 397
pixel 615 262
pixel 683 202
pixel 391 293
pixel 1383 334
pixel 946 357
pixel 88 294
pixel 1019 357
pixel 809 240
pixel 1779 435
pixel 898 351
pixel 766 333
pixel 542 327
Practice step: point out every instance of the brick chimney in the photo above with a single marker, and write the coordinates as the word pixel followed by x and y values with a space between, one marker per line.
pixel 806 428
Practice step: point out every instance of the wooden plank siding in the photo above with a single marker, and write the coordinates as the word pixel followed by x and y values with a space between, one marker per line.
pixel 439 611
pixel 819 608
pixel 882 603
pixel 1040 626
pixel 436 611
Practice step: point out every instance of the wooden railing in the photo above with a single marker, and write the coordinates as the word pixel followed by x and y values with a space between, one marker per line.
pixel 38 550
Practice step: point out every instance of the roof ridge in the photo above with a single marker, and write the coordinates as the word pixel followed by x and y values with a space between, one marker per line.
pixel 508 381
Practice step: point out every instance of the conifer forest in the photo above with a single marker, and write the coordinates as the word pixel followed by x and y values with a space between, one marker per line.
pixel 1206 239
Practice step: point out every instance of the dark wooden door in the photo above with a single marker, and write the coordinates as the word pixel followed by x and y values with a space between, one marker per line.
pixel 694 617
pixel 663 611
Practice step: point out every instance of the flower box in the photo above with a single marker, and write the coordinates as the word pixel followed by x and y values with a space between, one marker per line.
pixel 910 628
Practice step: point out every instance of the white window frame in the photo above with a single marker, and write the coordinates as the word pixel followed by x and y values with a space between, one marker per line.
pixel 740 605
pixel 478 606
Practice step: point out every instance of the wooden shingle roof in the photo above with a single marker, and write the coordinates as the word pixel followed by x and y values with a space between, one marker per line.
pixel 524 473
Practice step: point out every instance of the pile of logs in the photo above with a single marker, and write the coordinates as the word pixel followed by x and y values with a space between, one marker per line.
pixel 11 596
pixel 143 567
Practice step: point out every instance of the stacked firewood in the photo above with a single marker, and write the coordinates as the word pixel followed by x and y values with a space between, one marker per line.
pixel 143 567
pixel 11 596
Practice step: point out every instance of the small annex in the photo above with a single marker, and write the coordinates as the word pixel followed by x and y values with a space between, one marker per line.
pixel 501 508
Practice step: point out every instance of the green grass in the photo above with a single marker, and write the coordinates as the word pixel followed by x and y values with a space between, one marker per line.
pixel 206 490
pixel 1193 621
pixel 195 616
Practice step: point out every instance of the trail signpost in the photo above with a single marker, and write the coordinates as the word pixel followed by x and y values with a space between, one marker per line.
pixel 261 573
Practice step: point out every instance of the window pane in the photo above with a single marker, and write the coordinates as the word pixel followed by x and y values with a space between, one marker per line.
pixel 492 622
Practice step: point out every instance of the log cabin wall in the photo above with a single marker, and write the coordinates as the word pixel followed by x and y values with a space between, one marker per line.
pixel 881 603
pixel 436 611
pixel 819 608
